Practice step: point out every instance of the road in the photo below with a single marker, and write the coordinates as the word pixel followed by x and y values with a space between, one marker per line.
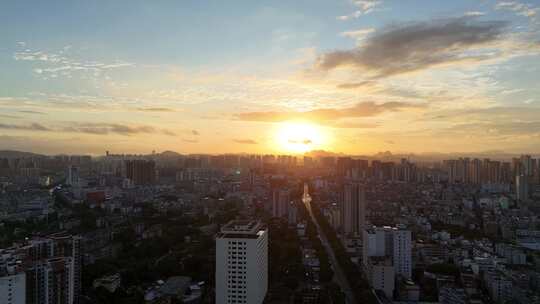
pixel 339 275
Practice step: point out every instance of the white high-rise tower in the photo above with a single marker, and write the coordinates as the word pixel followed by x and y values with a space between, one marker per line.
pixel 402 252
pixel 242 263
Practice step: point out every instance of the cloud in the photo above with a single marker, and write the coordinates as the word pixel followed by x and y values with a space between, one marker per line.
pixel 328 115
pixel 520 9
pixel 106 128
pixel 303 141
pixel 9 116
pixel 245 141
pixel 474 14
pixel 412 47
pixel 490 114
pixel 32 112
pixel 355 85
pixel 498 128
pixel 168 132
pixel 354 125
pixel 53 65
pixel 363 7
pixel 357 34
pixel 155 110
pixel 90 128
pixel 30 127
pixel 191 141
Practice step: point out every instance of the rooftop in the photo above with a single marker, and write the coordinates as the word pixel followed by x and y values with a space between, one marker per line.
pixel 242 228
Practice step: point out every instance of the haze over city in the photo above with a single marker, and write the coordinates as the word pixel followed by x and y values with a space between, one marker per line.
pixel 356 77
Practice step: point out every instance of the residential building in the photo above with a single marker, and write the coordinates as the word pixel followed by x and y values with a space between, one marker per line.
pixel 353 208
pixel 242 263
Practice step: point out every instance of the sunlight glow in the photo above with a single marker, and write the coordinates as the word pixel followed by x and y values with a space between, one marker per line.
pixel 299 137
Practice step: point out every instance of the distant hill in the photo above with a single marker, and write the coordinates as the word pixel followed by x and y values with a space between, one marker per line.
pixel 17 154
pixel 169 154
pixel 322 153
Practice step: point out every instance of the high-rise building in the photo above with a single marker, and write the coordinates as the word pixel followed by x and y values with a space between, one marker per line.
pixel 522 187
pixel 52 281
pixel 140 171
pixel 308 162
pixel 50 266
pixel 402 257
pixel 381 275
pixel 506 173
pixel 475 171
pixel 526 165
pixel 72 176
pixel 292 213
pixel 377 242
pixel 280 202
pixel 12 284
pixel 242 263
pixel 392 242
pixel 344 166
pixel 353 208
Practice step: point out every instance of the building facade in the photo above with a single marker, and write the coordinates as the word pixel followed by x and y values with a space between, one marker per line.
pixel 353 208
pixel 242 263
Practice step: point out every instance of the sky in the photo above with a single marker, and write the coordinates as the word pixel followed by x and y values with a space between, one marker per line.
pixel 350 76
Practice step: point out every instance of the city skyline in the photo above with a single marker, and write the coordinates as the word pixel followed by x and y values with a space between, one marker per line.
pixel 356 77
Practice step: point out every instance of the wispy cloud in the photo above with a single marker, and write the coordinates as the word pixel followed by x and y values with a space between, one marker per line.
pixel 474 13
pixel 112 128
pixel 32 112
pixel 30 127
pixel 9 116
pixel 331 116
pixel 355 85
pixel 53 65
pixel 245 141
pixel 363 7
pixel 89 128
pixel 156 110
pixel 358 35
pixel 519 8
pixel 305 141
pixel 190 141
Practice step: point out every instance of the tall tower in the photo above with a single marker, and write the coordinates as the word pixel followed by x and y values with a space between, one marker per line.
pixel 522 187
pixel 242 263
pixel 140 171
pixel 72 176
pixel 12 285
pixel 353 208
pixel 280 202
pixel 402 252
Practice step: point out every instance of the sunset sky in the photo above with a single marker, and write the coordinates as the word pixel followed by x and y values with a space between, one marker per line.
pixel 270 76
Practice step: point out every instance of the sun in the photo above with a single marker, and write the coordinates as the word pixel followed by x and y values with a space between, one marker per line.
pixel 299 137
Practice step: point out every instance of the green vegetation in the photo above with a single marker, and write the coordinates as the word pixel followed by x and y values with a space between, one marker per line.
pixel 142 262
pixel 285 259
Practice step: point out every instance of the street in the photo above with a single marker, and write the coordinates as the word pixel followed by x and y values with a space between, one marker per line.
pixel 339 275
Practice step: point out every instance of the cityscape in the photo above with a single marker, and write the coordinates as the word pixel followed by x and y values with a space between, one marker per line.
pixel 270 152
pixel 173 228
